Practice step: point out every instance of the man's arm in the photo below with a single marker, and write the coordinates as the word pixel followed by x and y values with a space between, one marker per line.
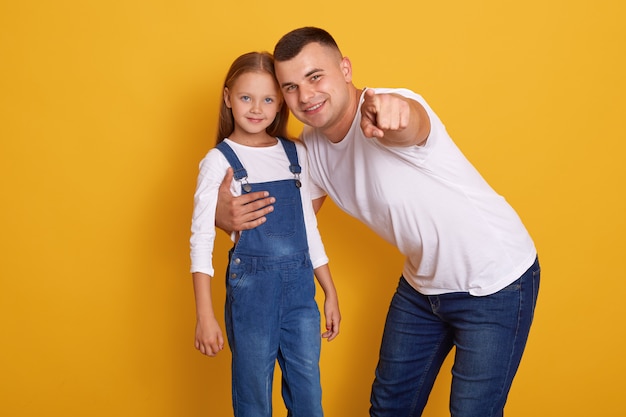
pixel 317 203
pixel 394 120
pixel 234 214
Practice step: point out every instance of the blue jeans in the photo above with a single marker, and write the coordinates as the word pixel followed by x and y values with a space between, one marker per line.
pixel 489 334
pixel 271 315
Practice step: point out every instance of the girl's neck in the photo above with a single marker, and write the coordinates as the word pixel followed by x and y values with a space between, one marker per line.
pixel 255 141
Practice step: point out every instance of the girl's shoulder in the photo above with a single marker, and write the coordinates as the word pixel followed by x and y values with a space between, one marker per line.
pixel 213 162
pixel 300 147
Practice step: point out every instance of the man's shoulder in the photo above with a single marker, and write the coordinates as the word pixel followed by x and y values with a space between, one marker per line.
pixel 405 92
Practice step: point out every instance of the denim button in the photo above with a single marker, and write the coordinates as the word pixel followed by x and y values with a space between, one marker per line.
pixel 237 261
pixel 233 275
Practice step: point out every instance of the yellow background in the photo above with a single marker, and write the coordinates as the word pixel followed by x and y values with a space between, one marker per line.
pixel 106 108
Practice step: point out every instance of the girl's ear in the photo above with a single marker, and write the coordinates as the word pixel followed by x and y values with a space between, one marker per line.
pixel 227 97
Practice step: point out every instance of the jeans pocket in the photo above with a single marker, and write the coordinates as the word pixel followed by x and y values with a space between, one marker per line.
pixel 235 280
pixel 282 221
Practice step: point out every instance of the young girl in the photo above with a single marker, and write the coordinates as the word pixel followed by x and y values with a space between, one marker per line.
pixel 270 313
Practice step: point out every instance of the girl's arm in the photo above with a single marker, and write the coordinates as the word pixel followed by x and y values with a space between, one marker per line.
pixel 331 302
pixel 209 339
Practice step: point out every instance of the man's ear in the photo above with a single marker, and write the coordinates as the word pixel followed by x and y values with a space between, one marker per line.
pixel 346 69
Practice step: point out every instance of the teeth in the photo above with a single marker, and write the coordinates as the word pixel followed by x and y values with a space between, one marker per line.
pixel 317 106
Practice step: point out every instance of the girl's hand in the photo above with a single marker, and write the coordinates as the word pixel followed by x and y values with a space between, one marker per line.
pixel 333 318
pixel 209 339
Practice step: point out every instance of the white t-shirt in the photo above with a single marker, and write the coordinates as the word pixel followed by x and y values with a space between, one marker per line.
pixel 456 232
pixel 263 164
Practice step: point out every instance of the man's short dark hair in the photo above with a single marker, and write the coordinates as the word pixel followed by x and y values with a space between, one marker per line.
pixel 292 43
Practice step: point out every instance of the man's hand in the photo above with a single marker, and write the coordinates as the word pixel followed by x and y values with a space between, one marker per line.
pixel 234 214
pixel 393 119
pixel 382 112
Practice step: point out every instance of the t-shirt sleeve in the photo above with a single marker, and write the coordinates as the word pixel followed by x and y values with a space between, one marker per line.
pixel 315 190
pixel 316 246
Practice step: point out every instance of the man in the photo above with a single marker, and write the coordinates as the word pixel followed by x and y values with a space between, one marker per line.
pixel 471 274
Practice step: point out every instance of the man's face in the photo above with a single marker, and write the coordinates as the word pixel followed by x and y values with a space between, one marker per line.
pixel 316 86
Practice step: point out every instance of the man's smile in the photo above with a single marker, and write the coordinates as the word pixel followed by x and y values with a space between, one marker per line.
pixel 314 107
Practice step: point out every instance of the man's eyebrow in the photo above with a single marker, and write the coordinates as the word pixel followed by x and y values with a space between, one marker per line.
pixel 307 75
pixel 313 71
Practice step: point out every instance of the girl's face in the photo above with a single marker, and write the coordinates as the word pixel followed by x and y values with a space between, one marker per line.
pixel 255 100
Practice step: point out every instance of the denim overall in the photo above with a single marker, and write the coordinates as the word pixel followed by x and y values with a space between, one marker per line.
pixel 271 313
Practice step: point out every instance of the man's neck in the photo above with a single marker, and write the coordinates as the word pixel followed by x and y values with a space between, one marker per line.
pixel 339 131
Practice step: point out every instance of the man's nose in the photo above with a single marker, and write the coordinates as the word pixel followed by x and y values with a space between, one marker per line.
pixel 306 94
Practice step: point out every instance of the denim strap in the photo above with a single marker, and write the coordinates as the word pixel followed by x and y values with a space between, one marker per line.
pixel 292 154
pixel 239 171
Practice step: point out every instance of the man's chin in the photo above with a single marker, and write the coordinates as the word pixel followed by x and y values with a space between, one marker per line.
pixel 311 120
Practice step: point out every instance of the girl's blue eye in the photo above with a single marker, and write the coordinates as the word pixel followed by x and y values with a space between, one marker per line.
pixel 269 100
pixel 245 98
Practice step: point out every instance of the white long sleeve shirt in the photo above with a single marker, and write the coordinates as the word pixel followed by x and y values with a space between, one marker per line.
pixel 263 164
